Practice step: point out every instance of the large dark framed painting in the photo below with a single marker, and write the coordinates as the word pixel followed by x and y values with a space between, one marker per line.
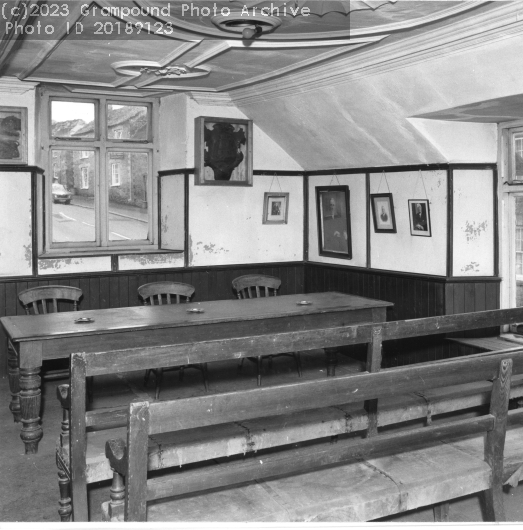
pixel 333 207
pixel 223 155
pixel 13 135
pixel 383 213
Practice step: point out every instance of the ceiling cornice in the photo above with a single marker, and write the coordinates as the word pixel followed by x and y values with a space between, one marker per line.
pixel 217 99
pixel 13 85
pixel 473 31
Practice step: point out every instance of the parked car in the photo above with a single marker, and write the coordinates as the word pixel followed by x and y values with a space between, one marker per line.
pixel 60 194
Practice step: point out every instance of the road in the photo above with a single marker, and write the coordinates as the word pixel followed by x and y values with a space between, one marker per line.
pixel 76 223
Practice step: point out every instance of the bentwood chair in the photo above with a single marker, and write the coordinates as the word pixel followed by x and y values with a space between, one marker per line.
pixel 159 293
pixel 258 286
pixel 49 299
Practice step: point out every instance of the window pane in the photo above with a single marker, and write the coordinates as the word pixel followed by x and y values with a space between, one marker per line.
pixel 72 196
pixel 127 122
pixel 72 119
pixel 127 176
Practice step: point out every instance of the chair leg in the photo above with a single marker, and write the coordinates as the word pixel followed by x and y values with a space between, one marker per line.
pixel 158 372
pixel 90 385
pixel 494 508
pixel 441 512
pixel 204 372
pixel 259 364
pixel 146 377
pixel 240 364
pixel 181 374
pixel 297 358
pixel 64 485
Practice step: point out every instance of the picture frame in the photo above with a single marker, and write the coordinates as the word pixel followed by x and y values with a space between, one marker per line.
pixel 419 215
pixel 334 227
pixel 223 151
pixel 383 213
pixel 275 208
pixel 13 135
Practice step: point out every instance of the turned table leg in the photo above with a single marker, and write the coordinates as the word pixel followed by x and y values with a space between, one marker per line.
pixel 30 403
pixel 14 384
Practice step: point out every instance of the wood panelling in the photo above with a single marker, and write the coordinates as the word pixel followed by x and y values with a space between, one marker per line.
pixel 413 297
pixel 101 291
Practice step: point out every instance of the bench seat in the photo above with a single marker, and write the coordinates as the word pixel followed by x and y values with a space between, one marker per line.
pixel 181 448
pixel 357 491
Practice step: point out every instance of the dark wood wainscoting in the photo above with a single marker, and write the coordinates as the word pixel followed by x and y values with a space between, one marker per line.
pixel 120 289
pixel 413 296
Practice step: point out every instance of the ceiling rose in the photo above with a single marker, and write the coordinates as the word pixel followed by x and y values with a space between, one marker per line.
pixel 239 21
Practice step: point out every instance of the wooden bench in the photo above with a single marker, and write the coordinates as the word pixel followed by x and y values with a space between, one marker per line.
pixel 83 461
pixel 354 479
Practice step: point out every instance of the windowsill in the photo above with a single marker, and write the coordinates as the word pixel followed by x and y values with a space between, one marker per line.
pixel 62 253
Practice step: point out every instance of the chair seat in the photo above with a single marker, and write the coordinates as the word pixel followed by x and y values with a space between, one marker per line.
pixel 357 491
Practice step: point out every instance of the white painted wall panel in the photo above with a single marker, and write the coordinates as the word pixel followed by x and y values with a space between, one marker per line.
pixel 358 217
pixel 15 224
pixel 172 216
pixel 74 265
pixel 402 251
pixel 225 224
pixel 134 262
pixel 473 233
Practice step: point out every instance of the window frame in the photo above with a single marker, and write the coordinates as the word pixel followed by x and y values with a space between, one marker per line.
pixel 84 185
pixel 118 181
pixel 101 145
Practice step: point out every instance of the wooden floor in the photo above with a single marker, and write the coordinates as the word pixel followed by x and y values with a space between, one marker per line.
pixel 28 484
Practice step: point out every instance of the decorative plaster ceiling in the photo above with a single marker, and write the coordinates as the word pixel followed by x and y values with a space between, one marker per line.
pixel 164 46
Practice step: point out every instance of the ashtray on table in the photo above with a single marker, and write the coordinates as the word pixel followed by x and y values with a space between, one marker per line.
pixel 304 302
pixel 84 320
pixel 195 310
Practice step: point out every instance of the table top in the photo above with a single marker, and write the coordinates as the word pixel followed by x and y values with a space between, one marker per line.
pixel 31 327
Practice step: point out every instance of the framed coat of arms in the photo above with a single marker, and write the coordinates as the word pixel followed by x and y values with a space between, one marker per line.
pixel 223 154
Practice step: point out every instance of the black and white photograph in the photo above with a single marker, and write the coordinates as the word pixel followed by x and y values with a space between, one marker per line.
pixel 419 218
pixel 181 344
pixel 383 213
pixel 275 208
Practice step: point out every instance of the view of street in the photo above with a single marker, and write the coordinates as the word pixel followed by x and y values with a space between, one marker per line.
pixel 76 222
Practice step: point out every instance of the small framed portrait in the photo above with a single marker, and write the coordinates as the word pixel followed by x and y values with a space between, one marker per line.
pixel 223 152
pixel 383 213
pixel 13 135
pixel 419 213
pixel 333 210
pixel 275 208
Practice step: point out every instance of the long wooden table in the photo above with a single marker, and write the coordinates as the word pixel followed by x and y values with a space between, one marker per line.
pixel 57 335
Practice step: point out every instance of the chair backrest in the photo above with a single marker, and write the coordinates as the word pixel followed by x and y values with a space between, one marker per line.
pixel 46 298
pixel 173 291
pixel 251 285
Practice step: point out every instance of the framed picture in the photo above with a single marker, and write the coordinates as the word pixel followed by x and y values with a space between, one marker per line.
pixel 383 213
pixel 419 218
pixel 13 135
pixel 223 152
pixel 333 207
pixel 275 208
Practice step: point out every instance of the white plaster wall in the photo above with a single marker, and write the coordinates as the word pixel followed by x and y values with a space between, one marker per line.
pixel 15 224
pixel 225 224
pixel 358 218
pixel 473 223
pixel 172 128
pixel 172 214
pixel 149 261
pixel 74 265
pixel 402 251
